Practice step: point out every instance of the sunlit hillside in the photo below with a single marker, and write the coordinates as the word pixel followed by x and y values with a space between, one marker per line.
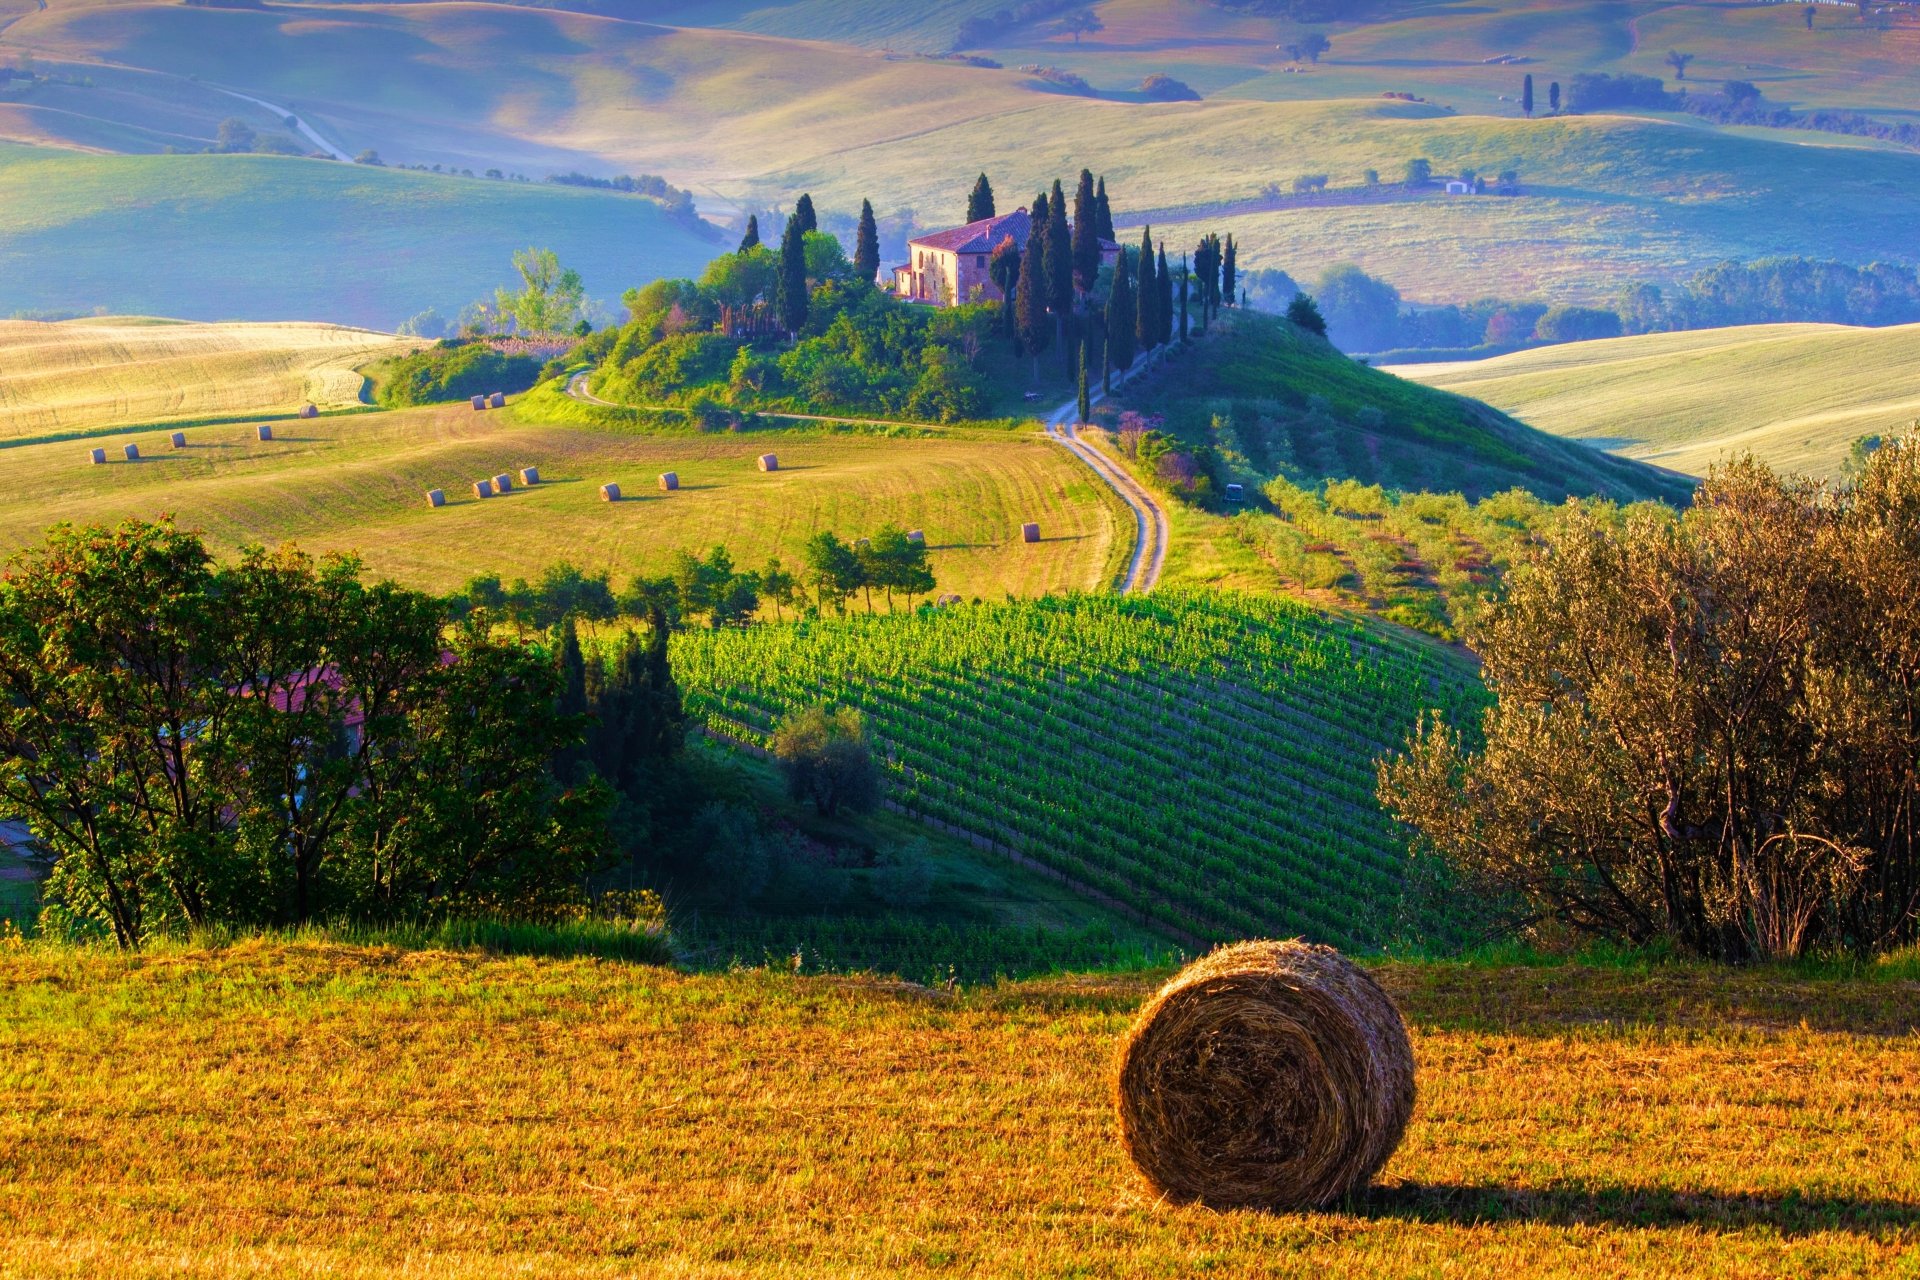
pixel 1795 396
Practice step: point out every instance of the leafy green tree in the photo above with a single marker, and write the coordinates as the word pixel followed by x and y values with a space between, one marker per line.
pixel 980 200
pixel 751 240
pixel 779 587
pixel 790 286
pixel 866 250
pixel 235 135
pixel 1419 172
pixel 1305 314
pixel 825 259
pixel 742 278
pixel 828 760
pixel 833 570
pixel 1086 234
pixel 1678 61
pixel 550 298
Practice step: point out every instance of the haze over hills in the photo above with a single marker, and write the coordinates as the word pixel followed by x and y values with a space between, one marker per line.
pixel 748 105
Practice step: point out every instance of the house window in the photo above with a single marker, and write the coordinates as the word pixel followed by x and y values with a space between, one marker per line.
pixel 979 259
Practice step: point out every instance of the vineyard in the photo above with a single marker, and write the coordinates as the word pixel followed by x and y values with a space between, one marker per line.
pixel 1202 761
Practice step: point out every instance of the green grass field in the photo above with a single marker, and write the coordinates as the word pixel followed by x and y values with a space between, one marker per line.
pixel 356 482
pixel 1795 396
pixel 85 375
pixel 267 238
pixel 315 1109
pixel 755 115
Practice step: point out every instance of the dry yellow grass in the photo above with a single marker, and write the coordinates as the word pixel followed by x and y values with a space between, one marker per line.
pixel 356 483
pixel 307 1110
pixel 87 374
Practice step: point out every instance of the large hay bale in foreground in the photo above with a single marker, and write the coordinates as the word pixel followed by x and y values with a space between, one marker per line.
pixel 436 498
pixel 610 492
pixel 1268 1075
pixel 479 402
pixel 769 462
pixel 669 481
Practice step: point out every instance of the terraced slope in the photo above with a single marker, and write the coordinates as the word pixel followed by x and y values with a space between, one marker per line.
pixel 87 374
pixel 1794 395
pixel 1205 759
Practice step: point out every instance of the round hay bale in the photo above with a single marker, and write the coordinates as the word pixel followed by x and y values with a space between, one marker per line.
pixel 498 400
pixel 97 457
pixel 1268 1075
pixel 915 535
pixel 179 439
pixel 503 483
pixel 133 452
pixel 1030 533
pixel 479 402
pixel 529 475
pixel 769 462
pixel 309 410
pixel 483 488
pixel 669 481
pixel 264 432
pixel 436 498
pixel 610 492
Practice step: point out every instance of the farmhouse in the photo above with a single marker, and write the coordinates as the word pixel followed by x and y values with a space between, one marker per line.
pixel 949 268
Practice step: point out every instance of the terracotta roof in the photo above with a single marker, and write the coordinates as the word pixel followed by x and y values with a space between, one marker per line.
pixel 977 237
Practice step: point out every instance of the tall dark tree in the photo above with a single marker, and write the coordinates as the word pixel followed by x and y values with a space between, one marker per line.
pixel 866 246
pixel 1084 403
pixel 751 240
pixel 1030 303
pixel 1086 234
pixel 1526 96
pixel 1146 295
pixel 1163 309
pixel 1227 271
pixel 790 286
pixel 803 210
pixel 570 760
pixel 1121 317
pixel 1103 214
pixel 1206 270
pixel 1185 284
pixel 1553 97
pixel 1004 269
pixel 980 200
pixel 1059 253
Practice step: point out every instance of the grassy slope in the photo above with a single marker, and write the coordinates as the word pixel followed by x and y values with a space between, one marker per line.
pixel 88 374
pixel 310 1109
pixel 1796 396
pixel 762 117
pixel 253 237
pixel 355 483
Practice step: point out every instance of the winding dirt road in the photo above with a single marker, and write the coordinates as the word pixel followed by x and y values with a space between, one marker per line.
pixel 1149 518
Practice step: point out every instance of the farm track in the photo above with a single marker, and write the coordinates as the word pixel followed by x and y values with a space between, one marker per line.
pixel 1150 521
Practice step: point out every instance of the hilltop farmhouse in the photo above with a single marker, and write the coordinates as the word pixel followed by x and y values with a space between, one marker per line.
pixel 949 268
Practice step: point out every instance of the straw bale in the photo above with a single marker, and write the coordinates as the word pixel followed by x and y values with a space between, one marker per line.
pixel 435 498
pixel 483 488
pixel 498 400
pixel 1270 1075
pixel 179 439
pixel 610 492
pixel 263 431
pixel 479 402
pixel 1030 533
pixel 669 480
pixel 96 456
pixel 133 452
pixel 529 475
pixel 503 483
pixel 309 410
pixel 769 462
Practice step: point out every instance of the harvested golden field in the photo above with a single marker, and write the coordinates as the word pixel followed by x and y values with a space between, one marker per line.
pixel 84 375
pixel 356 483
pixel 319 1109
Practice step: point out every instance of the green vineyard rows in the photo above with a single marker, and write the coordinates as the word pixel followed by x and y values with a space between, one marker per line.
pixel 1205 760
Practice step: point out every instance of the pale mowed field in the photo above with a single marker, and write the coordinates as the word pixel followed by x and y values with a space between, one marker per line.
pixel 87 374
pixel 1794 396
pixel 357 483
pixel 308 1110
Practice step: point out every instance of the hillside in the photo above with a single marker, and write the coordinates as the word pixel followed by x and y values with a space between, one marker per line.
pixel 310 1108
pixel 1281 401
pixel 277 239
pixel 355 483
pixel 1795 396
pixel 749 118
pixel 1206 760
pixel 86 375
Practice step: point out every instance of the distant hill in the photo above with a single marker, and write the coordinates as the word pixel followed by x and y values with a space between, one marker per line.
pixel 270 238
pixel 1796 396
pixel 1287 402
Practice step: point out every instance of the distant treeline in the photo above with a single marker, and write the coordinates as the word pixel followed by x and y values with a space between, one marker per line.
pixel 1366 314
pixel 1735 102
pixel 677 202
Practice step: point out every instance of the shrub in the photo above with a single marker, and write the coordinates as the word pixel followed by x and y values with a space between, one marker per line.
pixel 826 758
pixel 452 369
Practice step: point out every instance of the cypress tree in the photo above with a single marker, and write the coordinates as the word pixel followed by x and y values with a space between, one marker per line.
pixel 1004 268
pixel 1106 358
pixel 1059 254
pixel 790 287
pixel 1553 97
pixel 866 252
pixel 1085 404
pixel 980 200
pixel 1227 272
pixel 804 211
pixel 1103 214
pixel 569 764
pixel 1120 317
pixel 751 240
pixel 1526 96
pixel 1146 329
pixel 1184 273
pixel 1086 234
pixel 1163 309
pixel 1030 304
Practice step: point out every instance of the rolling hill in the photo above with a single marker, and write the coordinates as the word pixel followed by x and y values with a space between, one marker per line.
pixel 750 117
pixel 85 375
pixel 1795 396
pixel 240 237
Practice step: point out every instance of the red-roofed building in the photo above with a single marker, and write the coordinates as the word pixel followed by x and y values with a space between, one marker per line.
pixel 948 268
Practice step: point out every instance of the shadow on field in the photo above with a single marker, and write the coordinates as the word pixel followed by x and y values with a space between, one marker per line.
pixel 1625 1206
